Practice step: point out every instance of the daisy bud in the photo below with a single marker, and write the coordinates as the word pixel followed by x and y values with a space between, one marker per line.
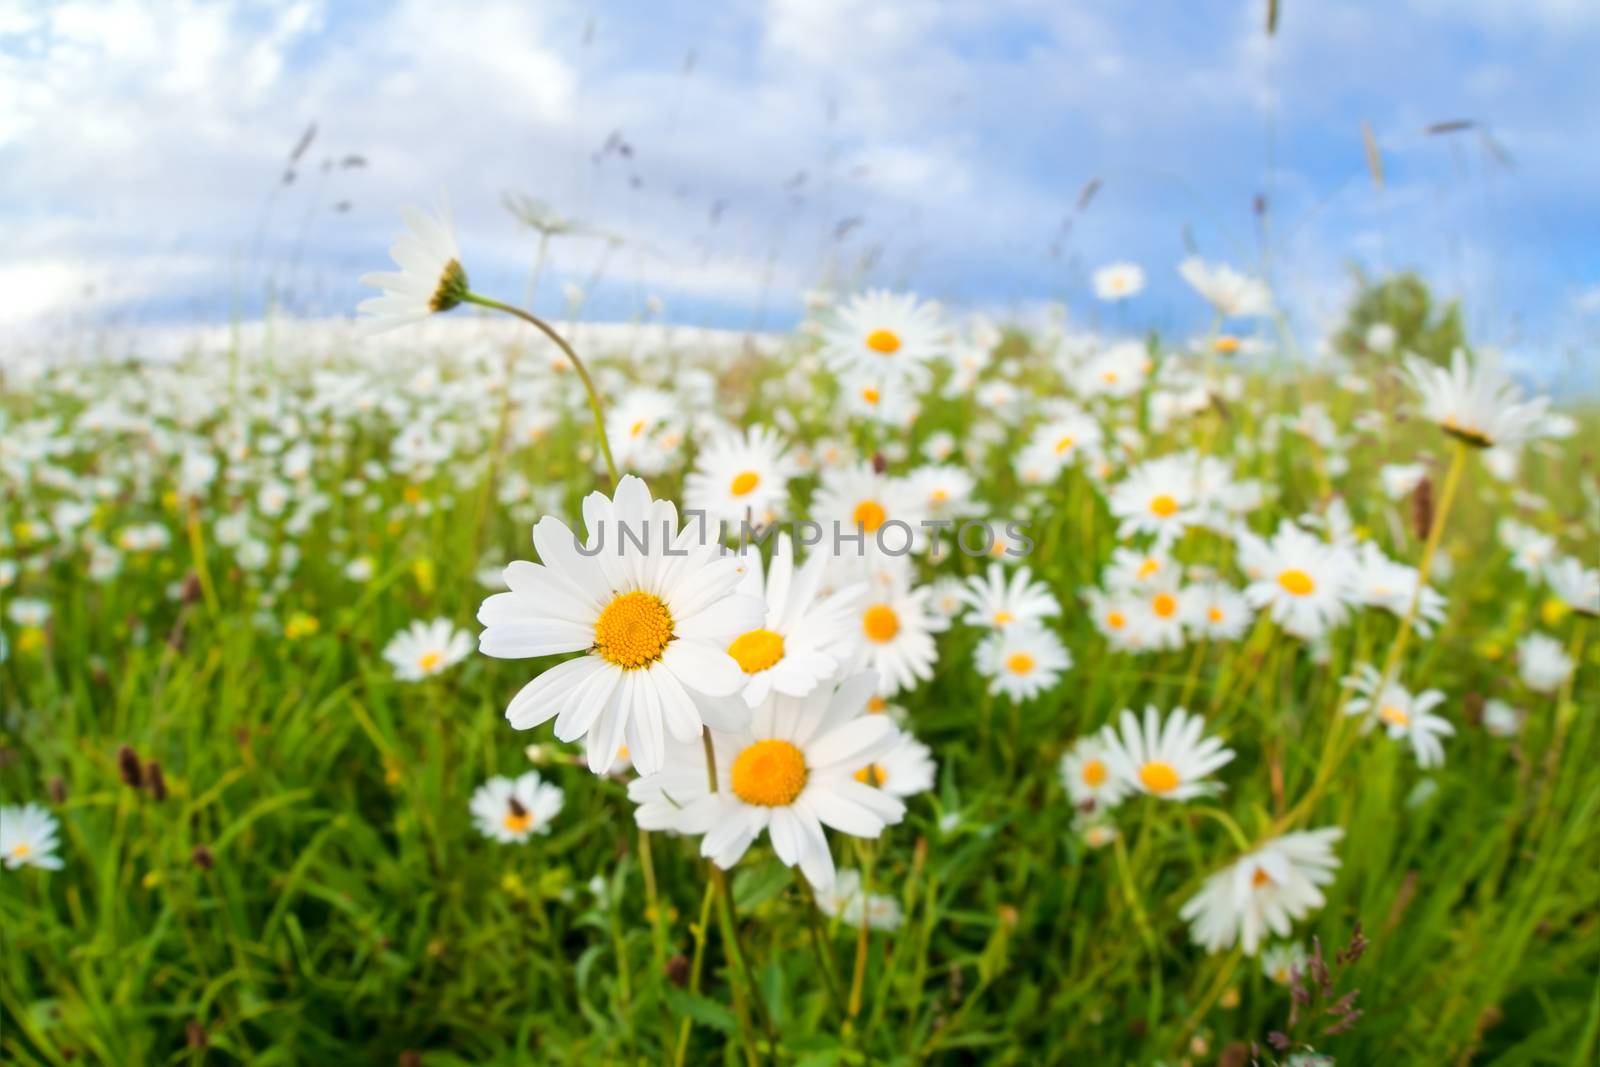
pixel 155 780
pixel 203 857
pixel 128 767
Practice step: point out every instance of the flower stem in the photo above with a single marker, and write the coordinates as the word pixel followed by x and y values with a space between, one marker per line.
pixel 577 364
pixel 1452 479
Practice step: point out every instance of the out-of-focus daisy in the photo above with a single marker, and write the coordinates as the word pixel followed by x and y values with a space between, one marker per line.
pixel 858 500
pixel 1022 661
pixel 1401 479
pixel 430 278
pixel 843 901
pixel 1170 760
pixel 1157 497
pixel 740 477
pixel 1161 612
pixel 1543 663
pixel 998 601
pixel 1402 714
pixel 1476 402
pixel 790 772
pixel 1576 585
pixel 28 838
pixel 1268 889
pixel 1384 583
pixel 1531 550
pixel 1063 440
pixel 424 649
pixel 945 490
pixel 883 334
pixel 905 770
pixel 805 637
pixel 1281 963
pixel 1221 613
pixel 1232 294
pixel 1112 614
pixel 1501 719
pixel 1306 584
pixel 510 810
pixel 1119 371
pixel 896 631
pixel 645 429
pixel 1086 773
pixel 1118 281
pixel 653 618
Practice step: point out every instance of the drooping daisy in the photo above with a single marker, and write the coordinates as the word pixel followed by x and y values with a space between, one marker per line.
pixel 424 649
pixel 654 619
pixel 1022 661
pixel 28 838
pixel 843 901
pixel 805 637
pixel 430 278
pixel 1306 584
pixel 1118 281
pixel 1170 760
pixel 740 478
pixel 1543 663
pixel 1576 585
pixel 510 810
pixel 1476 402
pixel 1268 889
pixel 904 771
pixel 1232 294
pixel 1402 714
pixel 998 601
pixel 883 334
pixel 790 772
pixel 1087 776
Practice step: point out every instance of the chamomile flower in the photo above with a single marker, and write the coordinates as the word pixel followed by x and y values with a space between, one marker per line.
pixel 1232 294
pixel 1170 759
pixel 1162 611
pixel 1384 583
pixel 1281 963
pixel 1118 281
pixel 944 490
pixel 790 772
pixel 843 901
pixel 1576 585
pixel 1306 584
pixel 652 609
pixel 430 278
pixel 28 838
pixel 1544 664
pixel 424 649
pixel 896 633
pixel 1022 661
pixel 1402 714
pixel 805 636
pixel 1120 371
pixel 1502 719
pixel 904 771
pixel 1266 890
pixel 1476 401
pixel 1157 497
pixel 510 810
pixel 882 334
pixel 1087 776
pixel 1112 614
pixel 998 601
pixel 1221 613
pixel 740 477
pixel 858 500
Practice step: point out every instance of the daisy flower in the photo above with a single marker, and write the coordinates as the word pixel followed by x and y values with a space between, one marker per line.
pixel 882 334
pixel 896 630
pixel 856 499
pixel 998 601
pixel 424 649
pixel 1401 479
pixel 1118 281
pixel 1544 664
pixel 1221 613
pixel 1383 583
pixel 1476 402
pixel 28 838
pixel 1169 760
pixel 904 771
pixel 1232 294
pixel 790 772
pixel 843 901
pixel 1112 613
pixel 430 278
pixel 1120 371
pixel 510 810
pixel 1531 550
pixel 1402 714
pixel 1502 719
pixel 1281 963
pixel 1067 436
pixel 1306 584
pixel 805 636
pixel 1268 889
pixel 1157 497
pixel 1086 775
pixel 653 621
pixel 1022 661
pixel 944 490
pixel 740 477
pixel 1577 586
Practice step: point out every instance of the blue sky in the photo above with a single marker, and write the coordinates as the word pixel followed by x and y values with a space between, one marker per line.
pixel 142 148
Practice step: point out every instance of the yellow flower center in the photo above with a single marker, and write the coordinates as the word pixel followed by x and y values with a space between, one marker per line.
pixel 939 496
pixel 1002 618
pixel 1116 620
pixel 1159 778
pixel 769 774
pixel 1148 567
pixel 743 482
pixel 873 774
pixel 1064 443
pixel 1226 344
pixel 877 705
pixel 880 623
pixel 884 342
pixel 869 515
pixel 1260 878
pixel 1165 605
pixel 21 850
pixel 633 630
pixel 1164 506
pixel 1020 663
pixel 1214 614
pixel 757 650
pixel 1298 583
pixel 429 661
pixel 1109 376
pixel 1394 716
pixel 1095 774
pixel 871 395
pixel 517 821
pixel 636 429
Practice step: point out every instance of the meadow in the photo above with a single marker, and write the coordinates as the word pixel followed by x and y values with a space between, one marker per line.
pixel 288 821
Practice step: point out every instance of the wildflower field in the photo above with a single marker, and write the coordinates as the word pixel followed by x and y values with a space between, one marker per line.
pixel 1068 697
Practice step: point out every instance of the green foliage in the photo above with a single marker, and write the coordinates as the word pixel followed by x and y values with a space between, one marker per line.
pixel 1405 304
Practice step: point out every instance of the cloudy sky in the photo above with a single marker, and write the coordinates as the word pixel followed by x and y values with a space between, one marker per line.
pixel 743 152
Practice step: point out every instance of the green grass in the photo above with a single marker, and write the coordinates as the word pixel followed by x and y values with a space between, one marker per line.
pixel 353 915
